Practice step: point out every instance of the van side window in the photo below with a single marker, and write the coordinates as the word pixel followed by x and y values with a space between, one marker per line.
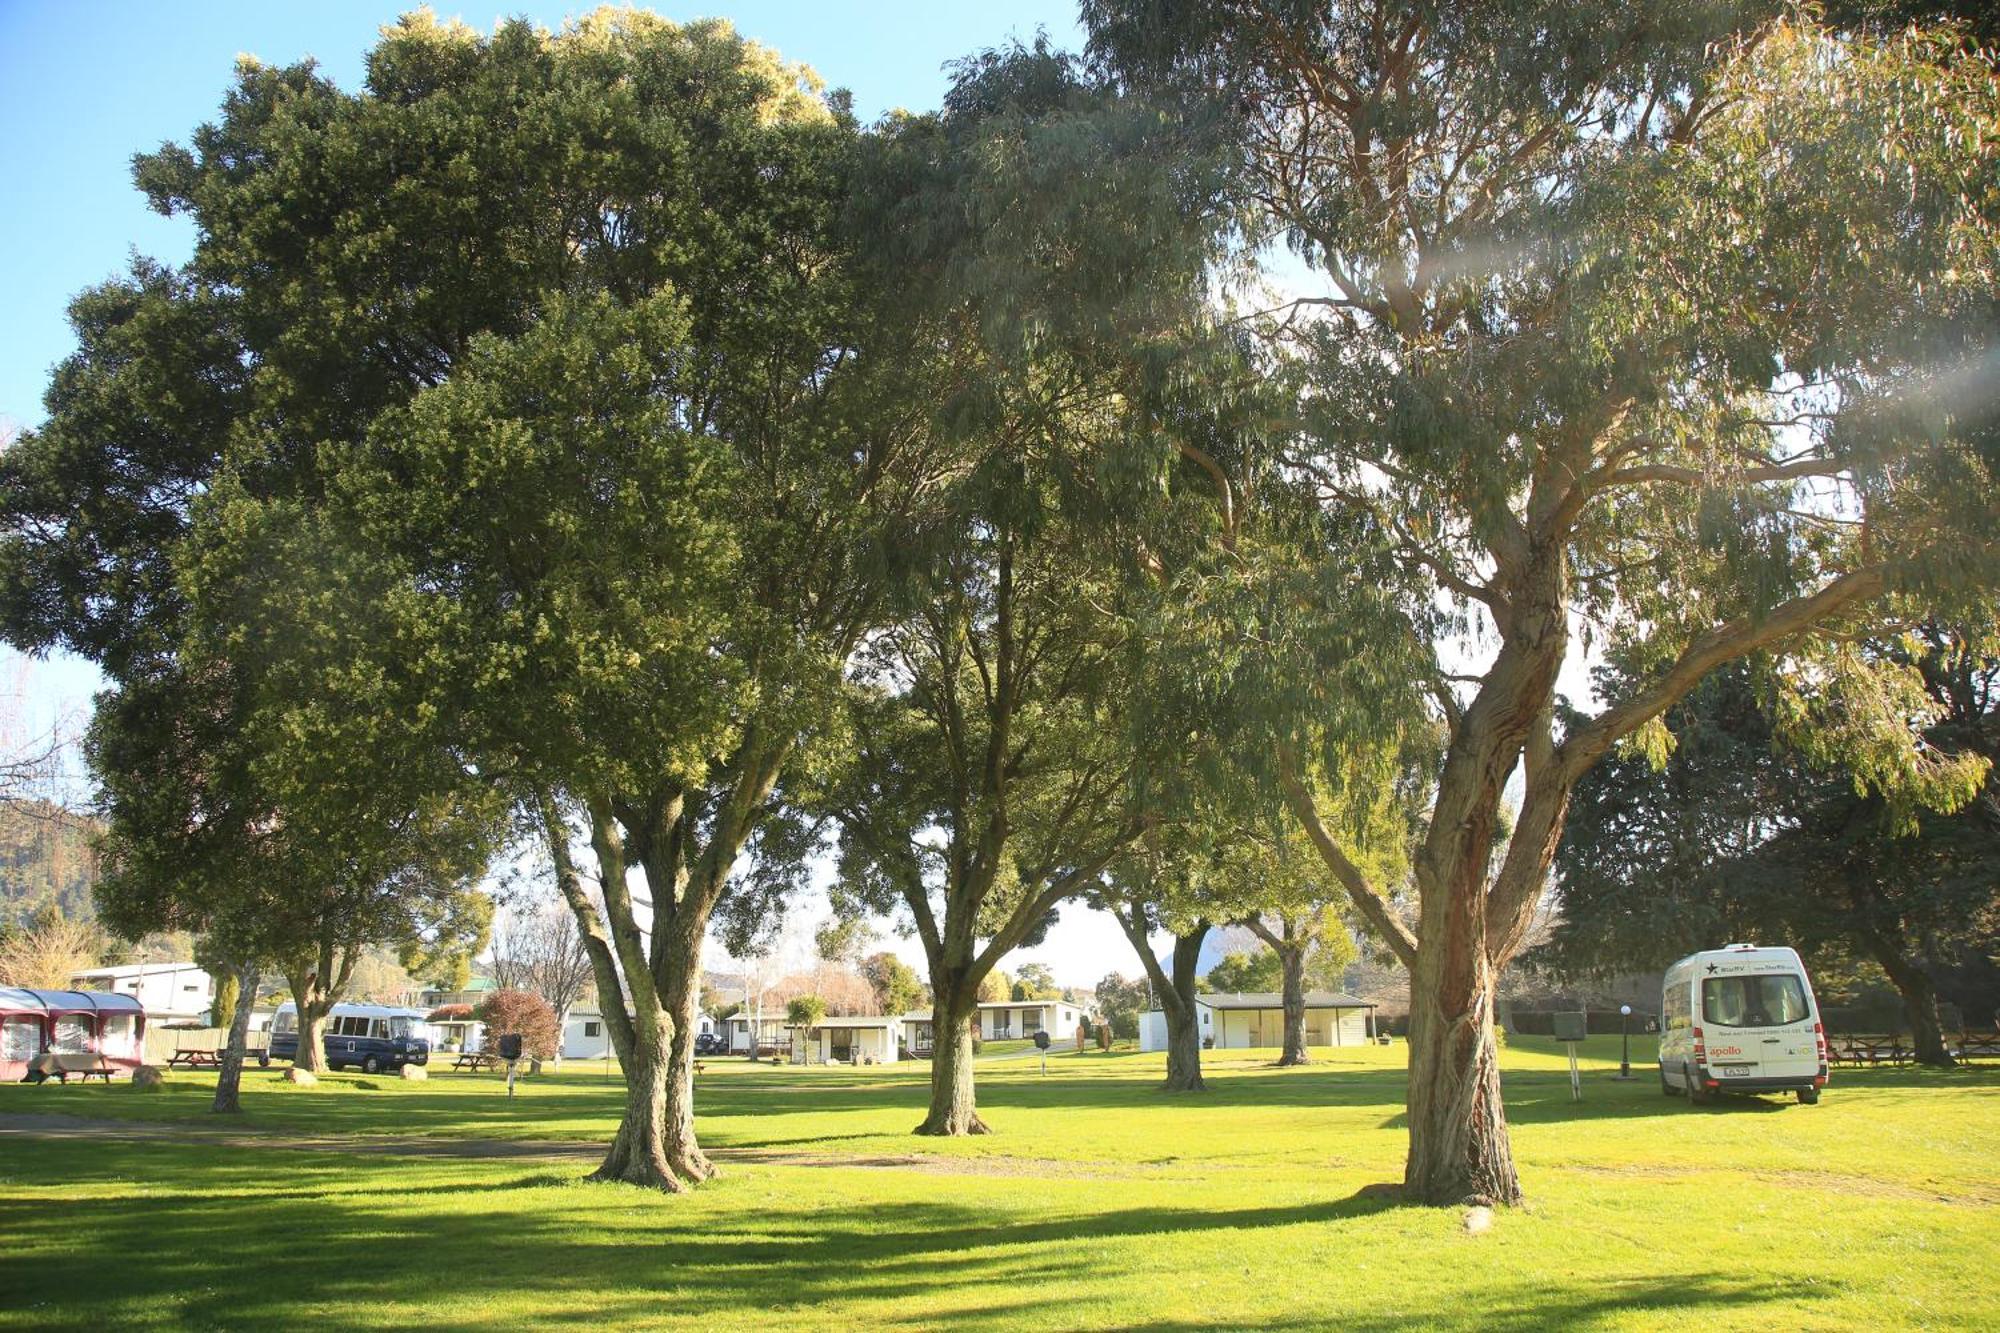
pixel 379 1028
pixel 1674 1006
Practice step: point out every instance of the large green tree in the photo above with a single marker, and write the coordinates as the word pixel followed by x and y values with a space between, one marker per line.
pixel 1641 322
pixel 614 554
pixel 1044 256
pixel 1741 834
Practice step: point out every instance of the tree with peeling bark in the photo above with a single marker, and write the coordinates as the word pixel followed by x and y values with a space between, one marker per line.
pixel 1646 323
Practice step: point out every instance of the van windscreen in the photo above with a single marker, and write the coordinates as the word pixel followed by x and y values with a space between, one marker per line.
pixel 1754 1002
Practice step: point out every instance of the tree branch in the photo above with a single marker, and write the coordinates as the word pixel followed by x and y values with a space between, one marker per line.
pixel 1371 903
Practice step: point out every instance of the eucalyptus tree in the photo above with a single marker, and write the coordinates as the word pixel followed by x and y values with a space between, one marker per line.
pixel 988 786
pixel 1160 888
pixel 1639 321
pixel 1044 255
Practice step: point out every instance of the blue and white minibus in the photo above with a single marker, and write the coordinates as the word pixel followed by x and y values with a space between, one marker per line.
pixel 372 1036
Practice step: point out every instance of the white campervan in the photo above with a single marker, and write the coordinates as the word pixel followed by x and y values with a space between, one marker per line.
pixel 1741 1019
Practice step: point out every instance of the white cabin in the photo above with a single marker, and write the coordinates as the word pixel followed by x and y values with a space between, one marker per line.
pixel 847 1039
pixel 168 992
pixel 1252 1019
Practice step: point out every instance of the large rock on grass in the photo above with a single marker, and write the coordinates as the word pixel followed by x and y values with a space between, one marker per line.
pixel 148 1078
pixel 415 1073
pixel 305 1078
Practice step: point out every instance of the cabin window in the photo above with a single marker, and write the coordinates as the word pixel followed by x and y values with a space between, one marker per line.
pixel 121 1035
pixel 590 1029
pixel 1753 1002
pixel 20 1038
pixel 73 1034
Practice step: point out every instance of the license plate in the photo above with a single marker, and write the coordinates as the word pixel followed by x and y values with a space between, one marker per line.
pixel 1736 1071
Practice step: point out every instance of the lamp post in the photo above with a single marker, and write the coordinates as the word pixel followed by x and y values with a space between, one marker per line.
pixel 1624 1041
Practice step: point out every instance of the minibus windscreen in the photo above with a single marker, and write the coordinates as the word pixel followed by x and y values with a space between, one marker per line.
pixel 1754 1002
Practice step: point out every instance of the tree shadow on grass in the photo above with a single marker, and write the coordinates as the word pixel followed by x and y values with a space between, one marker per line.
pixel 215 1244
pixel 315 1247
pixel 1527 1305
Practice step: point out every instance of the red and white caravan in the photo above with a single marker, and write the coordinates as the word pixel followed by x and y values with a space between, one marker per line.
pixel 56 1033
pixel 1741 1019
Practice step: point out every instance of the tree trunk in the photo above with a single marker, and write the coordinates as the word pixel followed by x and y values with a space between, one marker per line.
pixel 1183 1016
pixel 1176 992
pixel 953 1111
pixel 639 1154
pixel 1294 960
pixel 1459 1147
pixel 680 998
pixel 313 1005
pixel 1920 1005
pixel 229 1077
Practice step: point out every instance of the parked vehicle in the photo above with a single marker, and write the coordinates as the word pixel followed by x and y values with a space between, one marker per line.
pixel 710 1043
pixel 373 1036
pixel 1741 1019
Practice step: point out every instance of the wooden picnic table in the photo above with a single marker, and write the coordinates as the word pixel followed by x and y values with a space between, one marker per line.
pixel 1868 1050
pixel 478 1060
pixel 60 1065
pixel 190 1057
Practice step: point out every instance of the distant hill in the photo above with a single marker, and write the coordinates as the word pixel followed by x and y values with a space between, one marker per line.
pixel 1216 946
pixel 46 853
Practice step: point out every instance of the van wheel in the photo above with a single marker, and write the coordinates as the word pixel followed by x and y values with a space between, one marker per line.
pixel 1666 1088
pixel 371 1066
pixel 1692 1086
pixel 1808 1096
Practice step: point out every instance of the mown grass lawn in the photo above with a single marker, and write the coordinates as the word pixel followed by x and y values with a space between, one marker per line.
pixel 1100 1203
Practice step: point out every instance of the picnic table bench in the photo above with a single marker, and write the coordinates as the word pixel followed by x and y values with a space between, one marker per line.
pixel 1977 1045
pixel 478 1060
pixel 1892 1050
pixel 1856 1051
pixel 190 1057
pixel 59 1066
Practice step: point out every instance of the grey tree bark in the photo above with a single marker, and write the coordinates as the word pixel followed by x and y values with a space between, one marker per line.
pixel 1175 988
pixel 229 1078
